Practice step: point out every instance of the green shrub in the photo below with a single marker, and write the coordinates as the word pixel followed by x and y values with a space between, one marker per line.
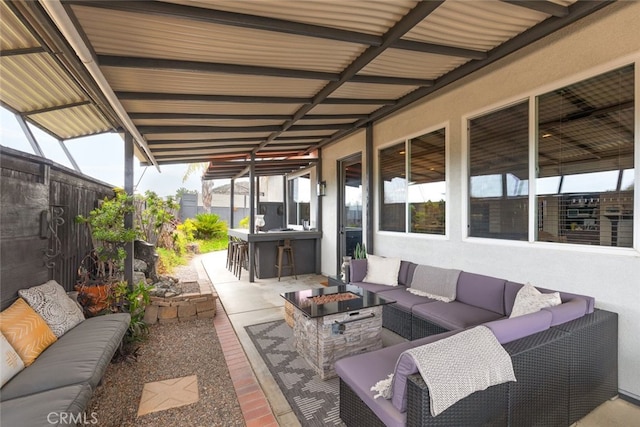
pixel 244 222
pixel 188 228
pixel 209 226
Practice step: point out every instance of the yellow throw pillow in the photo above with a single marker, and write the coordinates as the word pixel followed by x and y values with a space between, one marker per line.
pixel 26 331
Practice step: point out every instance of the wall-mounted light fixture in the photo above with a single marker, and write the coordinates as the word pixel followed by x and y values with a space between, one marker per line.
pixel 322 188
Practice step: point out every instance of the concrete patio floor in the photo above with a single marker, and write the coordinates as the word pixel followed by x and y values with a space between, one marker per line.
pixel 252 303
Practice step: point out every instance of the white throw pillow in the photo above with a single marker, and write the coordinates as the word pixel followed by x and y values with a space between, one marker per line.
pixel 11 361
pixel 382 271
pixel 52 303
pixel 529 300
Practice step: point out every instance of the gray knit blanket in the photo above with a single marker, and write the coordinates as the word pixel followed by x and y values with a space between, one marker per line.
pixel 457 366
pixel 435 282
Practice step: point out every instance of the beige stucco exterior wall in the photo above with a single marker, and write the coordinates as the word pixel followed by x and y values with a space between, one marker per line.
pixel 602 41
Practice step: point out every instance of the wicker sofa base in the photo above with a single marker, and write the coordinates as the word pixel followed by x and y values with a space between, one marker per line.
pixel 397 320
pixel 421 328
pixel 562 374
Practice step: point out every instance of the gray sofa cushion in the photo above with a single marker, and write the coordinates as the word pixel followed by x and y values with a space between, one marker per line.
pixel 49 408
pixel 403 298
pixel 79 356
pixel 481 291
pixel 453 315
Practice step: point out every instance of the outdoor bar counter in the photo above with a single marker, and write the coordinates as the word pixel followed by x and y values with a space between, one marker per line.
pixel 263 251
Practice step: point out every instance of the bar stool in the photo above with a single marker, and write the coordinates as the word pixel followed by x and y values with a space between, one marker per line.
pixel 242 258
pixel 230 252
pixel 288 249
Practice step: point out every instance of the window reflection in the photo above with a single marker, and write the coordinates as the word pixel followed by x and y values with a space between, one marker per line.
pixel 585 161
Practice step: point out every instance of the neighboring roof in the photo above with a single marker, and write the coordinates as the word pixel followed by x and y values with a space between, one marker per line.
pixel 238 188
pixel 222 81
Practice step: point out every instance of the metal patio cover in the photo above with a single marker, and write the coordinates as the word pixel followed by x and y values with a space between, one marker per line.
pixel 225 81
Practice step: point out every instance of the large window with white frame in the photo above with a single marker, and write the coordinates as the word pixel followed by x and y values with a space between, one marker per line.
pixel 583 163
pixel 413 190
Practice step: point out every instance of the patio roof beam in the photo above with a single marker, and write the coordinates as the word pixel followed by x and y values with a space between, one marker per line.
pixel 22 51
pixel 158 96
pixel 300 139
pixel 213 67
pixel 275 25
pixel 265 128
pixel 201 116
pixel 56 107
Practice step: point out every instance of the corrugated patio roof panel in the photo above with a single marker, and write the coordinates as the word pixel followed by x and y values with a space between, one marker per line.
pixel 478 25
pixel 206 122
pixel 14 34
pixel 34 82
pixel 371 91
pixel 406 63
pixel 111 33
pixel 208 135
pixel 370 17
pixel 72 122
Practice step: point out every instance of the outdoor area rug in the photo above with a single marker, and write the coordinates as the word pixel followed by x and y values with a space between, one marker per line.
pixel 314 401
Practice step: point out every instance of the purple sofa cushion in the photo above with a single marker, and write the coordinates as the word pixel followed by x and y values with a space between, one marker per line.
pixel 363 371
pixel 570 310
pixel 403 298
pixel 357 270
pixel 374 287
pixel 406 272
pixel 507 330
pixel 481 291
pixel 454 315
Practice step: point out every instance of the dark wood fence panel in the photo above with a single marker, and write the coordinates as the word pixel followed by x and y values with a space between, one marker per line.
pixel 39 238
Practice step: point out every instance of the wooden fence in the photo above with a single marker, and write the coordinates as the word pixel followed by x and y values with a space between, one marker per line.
pixel 39 238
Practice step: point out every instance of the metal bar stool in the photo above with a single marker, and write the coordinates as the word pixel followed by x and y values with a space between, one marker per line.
pixel 288 249
pixel 242 258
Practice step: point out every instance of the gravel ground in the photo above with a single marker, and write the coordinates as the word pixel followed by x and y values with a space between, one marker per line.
pixel 172 350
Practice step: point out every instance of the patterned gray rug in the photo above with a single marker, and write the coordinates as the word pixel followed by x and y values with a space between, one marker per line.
pixel 314 401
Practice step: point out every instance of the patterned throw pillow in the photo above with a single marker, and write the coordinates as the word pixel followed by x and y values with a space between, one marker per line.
pixel 25 330
pixel 11 362
pixel 529 300
pixel 53 304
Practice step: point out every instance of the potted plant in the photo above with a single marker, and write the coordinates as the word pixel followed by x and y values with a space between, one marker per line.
pixel 104 265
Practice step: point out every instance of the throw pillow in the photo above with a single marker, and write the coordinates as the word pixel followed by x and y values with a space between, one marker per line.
pixel 529 300
pixel 25 330
pixel 382 271
pixel 52 303
pixel 11 362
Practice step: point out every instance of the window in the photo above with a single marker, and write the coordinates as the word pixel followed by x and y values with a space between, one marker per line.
pixel 299 200
pixel 584 187
pixel 498 174
pixel 422 197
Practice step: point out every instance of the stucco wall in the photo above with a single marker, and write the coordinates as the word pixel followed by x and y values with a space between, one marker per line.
pixel 602 41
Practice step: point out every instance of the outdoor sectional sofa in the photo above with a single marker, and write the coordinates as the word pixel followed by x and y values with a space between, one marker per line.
pixel 564 357
pixel 57 386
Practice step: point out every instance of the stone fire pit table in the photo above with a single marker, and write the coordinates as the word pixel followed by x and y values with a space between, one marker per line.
pixel 333 322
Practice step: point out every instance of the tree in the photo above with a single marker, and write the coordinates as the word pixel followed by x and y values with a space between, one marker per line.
pixel 207 185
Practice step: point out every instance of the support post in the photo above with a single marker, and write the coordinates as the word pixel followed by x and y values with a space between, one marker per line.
pixel 69 156
pixel 368 203
pixel 252 215
pixel 29 135
pixel 128 219
pixel 232 204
